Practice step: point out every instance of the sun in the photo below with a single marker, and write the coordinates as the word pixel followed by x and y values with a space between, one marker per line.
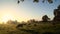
pixel 7 17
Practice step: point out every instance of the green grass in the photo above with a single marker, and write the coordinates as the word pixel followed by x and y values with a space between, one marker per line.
pixel 33 28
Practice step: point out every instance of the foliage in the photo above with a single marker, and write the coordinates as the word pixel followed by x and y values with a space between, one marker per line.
pixel 57 14
pixel 45 18
pixel 50 1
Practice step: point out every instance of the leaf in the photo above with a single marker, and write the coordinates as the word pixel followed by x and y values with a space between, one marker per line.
pixel 35 0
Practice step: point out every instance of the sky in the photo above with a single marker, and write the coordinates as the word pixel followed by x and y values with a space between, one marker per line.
pixel 9 9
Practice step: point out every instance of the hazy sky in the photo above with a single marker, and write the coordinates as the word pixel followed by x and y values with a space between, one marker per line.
pixel 9 9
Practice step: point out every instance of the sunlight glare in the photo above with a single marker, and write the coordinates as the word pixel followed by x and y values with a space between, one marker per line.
pixel 7 17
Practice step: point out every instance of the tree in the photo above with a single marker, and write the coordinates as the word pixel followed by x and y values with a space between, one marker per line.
pixel 45 18
pixel 57 14
pixel 12 22
pixel 50 1
pixel 31 21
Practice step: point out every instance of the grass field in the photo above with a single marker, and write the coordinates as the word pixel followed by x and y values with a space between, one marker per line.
pixel 32 28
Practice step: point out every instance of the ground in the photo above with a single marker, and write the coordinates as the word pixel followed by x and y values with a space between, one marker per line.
pixel 33 28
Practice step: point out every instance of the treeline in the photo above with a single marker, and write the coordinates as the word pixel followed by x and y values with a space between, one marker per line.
pixel 45 18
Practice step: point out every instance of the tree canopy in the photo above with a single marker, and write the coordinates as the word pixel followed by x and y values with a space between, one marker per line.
pixel 45 18
pixel 57 14
pixel 50 1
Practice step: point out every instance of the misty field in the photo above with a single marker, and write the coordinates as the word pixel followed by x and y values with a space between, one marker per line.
pixel 30 28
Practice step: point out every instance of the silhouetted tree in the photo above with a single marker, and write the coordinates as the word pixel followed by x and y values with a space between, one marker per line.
pixel 57 14
pixel 45 18
pixel 32 21
pixel 12 22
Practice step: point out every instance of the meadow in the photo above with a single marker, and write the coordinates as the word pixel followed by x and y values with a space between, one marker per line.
pixel 30 28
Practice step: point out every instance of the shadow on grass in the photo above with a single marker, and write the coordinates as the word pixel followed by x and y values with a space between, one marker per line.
pixel 30 31
pixel 48 33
